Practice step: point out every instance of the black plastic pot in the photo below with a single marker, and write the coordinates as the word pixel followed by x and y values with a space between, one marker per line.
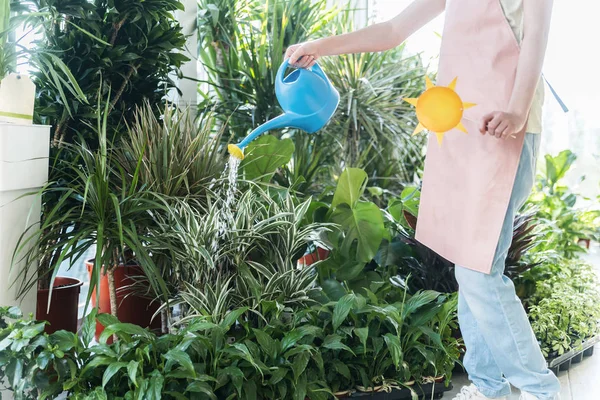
pixel 563 362
pixel 423 391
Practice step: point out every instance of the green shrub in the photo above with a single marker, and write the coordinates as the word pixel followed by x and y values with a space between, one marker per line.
pixel 566 308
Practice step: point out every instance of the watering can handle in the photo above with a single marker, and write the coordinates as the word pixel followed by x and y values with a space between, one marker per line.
pixel 282 69
pixel 319 71
pixel 315 68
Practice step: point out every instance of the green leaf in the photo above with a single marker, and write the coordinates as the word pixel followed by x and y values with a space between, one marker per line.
pixel 277 374
pixel 111 370
pixel 301 386
pixel 250 390
pixel 418 300
pixel 334 342
pixel 341 309
pixel 363 335
pixel 107 319
pixel 267 343
pixel 363 227
pixel 349 270
pixel 132 369
pixel 130 329
pixel 232 317
pixel 350 187
pixel 395 348
pixel 333 289
pixel 64 340
pixel 201 387
pixel 88 328
pixel 342 368
pixel 292 337
pixel 32 331
pixel 175 356
pixel 264 155
pixel 300 363
pixel 557 167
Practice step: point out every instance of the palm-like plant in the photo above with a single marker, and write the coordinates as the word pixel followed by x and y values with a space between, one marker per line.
pixel 373 125
pixel 243 44
pixel 99 207
pixel 177 155
pixel 48 63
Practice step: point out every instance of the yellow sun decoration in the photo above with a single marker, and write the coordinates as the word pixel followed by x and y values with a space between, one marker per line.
pixel 439 109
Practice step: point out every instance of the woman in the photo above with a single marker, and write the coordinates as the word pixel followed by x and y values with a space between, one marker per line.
pixel 474 184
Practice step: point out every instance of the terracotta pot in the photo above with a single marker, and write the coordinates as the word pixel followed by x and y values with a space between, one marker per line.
pixel 63 306
pixel 584 242
pixel 311 258
pixel 131 308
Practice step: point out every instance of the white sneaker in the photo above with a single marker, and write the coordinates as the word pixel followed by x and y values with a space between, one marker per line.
pixel 472 393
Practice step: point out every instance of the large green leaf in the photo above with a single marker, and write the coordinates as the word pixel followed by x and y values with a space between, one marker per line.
pixel 342 308
pixel 557 167
pixel 362 224
pixel 265 155
pixel 350 187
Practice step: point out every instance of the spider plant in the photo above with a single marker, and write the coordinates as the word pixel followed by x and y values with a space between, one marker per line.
pixel 251 263
pixel 99 207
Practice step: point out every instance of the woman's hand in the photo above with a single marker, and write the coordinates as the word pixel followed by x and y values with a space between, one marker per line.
pixel 302 55
pixel 502 124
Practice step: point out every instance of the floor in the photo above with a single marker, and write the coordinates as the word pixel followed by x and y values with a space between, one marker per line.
pixel 580 382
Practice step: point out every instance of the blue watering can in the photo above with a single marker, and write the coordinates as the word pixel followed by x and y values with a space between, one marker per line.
pixel 307 98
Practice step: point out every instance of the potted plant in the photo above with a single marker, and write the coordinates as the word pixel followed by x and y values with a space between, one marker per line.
pixel 96 207
pixel 24 147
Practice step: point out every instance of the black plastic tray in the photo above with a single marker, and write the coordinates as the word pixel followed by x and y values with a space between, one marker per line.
pixel 424 392
pixel 563 362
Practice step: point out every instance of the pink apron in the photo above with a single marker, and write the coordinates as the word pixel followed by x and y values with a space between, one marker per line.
pixel 468 180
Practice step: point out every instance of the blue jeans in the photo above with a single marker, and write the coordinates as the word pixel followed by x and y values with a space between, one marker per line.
pixel 501 346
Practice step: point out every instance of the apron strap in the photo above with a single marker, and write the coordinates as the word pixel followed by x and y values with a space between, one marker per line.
pixel 556 96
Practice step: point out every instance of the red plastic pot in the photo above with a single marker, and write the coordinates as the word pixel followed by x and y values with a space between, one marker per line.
pixel 63 307
pixel 309 259
pixel 131 307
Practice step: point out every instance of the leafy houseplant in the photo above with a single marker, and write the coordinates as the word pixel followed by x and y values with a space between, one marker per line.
pixel 198 361
pixel 557 207
pixel 176 155
pixel 97 206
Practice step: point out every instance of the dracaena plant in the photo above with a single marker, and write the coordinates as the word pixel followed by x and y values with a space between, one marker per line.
pixel 128 47
pixel 98 206
pixel 174 155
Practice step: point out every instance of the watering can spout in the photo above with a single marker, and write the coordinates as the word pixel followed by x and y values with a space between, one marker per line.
pixel 284 120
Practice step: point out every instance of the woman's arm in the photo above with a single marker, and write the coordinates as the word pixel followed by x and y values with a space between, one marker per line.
pixel 536 24
pixel 376 37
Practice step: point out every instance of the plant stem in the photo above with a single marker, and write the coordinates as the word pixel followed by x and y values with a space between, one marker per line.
pixel 123 86
pixel 117 28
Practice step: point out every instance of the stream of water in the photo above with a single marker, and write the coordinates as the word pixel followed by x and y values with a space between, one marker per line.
pixel 225 218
